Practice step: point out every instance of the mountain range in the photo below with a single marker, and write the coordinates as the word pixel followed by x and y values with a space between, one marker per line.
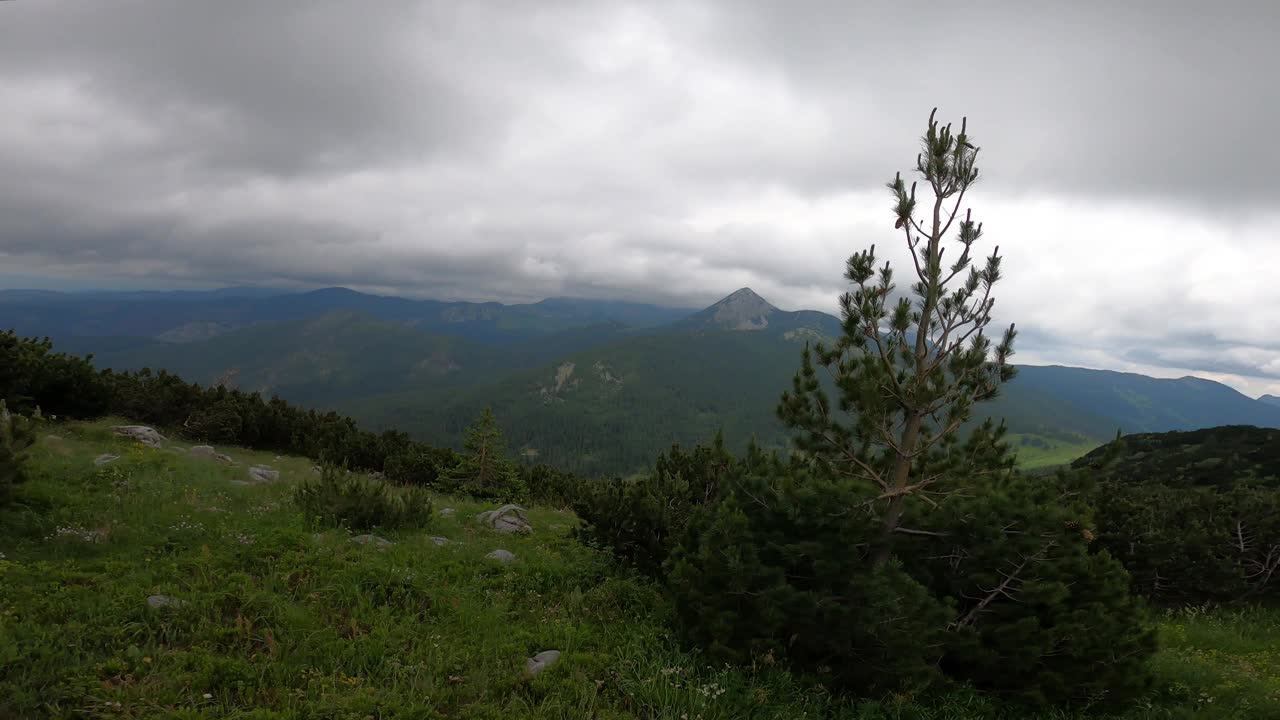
pixel 592 386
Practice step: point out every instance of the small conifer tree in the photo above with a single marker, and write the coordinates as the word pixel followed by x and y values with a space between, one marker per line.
pixel 908 369
pixel 484 470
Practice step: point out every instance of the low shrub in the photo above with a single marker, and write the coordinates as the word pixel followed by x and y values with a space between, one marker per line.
pixel 360 502
pixel 16 437
pixel 641 519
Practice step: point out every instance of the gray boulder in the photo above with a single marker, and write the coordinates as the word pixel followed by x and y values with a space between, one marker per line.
pixel 143 434
pixel 447 512
pixel 541 661
pixel 374 540
pixel 155 602
pixel 502 556
pixel 209 452
pixel 263 475
pixel 506 519
pixel 439 541
pixel 105 458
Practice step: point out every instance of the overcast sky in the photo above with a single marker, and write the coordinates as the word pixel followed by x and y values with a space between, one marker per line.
pixel 662 152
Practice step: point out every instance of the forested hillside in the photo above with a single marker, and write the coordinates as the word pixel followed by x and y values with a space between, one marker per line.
pixel 598 397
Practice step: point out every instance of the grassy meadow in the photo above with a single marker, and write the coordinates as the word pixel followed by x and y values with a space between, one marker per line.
pixel 267 615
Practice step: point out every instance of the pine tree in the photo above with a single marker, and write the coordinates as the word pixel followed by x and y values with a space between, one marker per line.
pixel 16 436
pixel 484 470
pixel 908 370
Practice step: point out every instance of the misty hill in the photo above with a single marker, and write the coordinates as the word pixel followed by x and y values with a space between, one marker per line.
pixel 747 311
pixel 191 316
pixel 340 357
pixel 605 397
pixel 1137 403
pixel 1216 456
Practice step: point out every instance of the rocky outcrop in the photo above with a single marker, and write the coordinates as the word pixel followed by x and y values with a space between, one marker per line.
pixel 541 661
pixel 156 602
pixel 260 474
pixel 506 519
pixel 374 540
pixel 502 556
pixel 143 434
pixel 207 451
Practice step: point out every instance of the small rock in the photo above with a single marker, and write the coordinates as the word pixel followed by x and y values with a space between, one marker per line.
pixel 105 458
pixel 502 556
pixel 209 452
pixel 315 469
pixel 262 474
pixel 241 483
pixel 53 438
pixel 155 602
pixel 506 519
pixel 377 542
pixel 447 512
pixel 541 661
pixel 439 541
pixel 317 537
pixel 143 434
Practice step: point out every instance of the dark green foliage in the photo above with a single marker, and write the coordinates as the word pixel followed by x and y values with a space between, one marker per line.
pixel 32 374
pixel 417 464
pixel 888 547
pixel 1215 457
pixel 1040 614
pixel 641 519
pixel 16 436
pixel 549 486
pixel 484 470
pixel 1194 516
pixel 360 502
pixel 775 572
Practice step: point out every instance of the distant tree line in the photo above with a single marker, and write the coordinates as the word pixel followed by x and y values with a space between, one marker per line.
pixel 35 378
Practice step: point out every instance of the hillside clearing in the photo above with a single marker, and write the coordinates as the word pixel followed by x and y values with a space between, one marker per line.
pixel 267 616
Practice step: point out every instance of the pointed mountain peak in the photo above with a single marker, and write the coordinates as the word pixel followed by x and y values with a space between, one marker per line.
pixel 743 310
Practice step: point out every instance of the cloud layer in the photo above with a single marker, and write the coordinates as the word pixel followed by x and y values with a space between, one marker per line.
pixel 669 152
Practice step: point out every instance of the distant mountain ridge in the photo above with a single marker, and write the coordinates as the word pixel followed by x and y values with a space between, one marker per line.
pixel 595 386
pixel 186 316
pixel 1270 400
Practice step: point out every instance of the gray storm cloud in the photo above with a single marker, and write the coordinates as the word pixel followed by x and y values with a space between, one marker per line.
pixel 668 152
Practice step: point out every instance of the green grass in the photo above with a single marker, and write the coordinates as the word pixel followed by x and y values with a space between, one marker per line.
pixel 285 619
pixel 1059 452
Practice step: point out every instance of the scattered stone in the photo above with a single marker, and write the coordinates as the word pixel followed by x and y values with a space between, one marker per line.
pixel 541 661
pixel 209 452
pixel 317 537
pixel 105 458
pixel 143 434
pixel 506 519
pixel 439 541
pixel 502 556
pixel 377 542
pixel 447 512
pixel 261 474
pixel 53 438
pixel 155 602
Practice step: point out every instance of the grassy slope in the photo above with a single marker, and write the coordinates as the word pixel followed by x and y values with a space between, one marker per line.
pixel 1060 451
pixel 286 623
